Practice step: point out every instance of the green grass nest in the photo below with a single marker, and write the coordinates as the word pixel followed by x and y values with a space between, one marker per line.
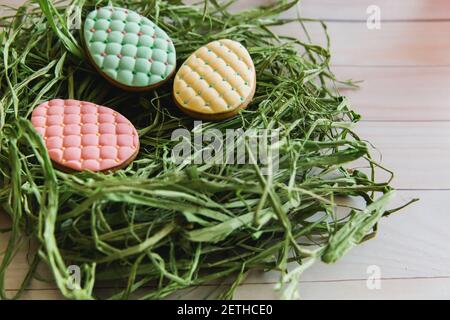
pixel 156 227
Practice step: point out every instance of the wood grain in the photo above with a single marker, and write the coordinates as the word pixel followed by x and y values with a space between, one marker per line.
pixel 418 152
pixel 400 94
pixel 395 44
pixel 356 10
pixel 405 102
pixel 392 289
pixel 395 289
pixel 409 43
pixel 408 245
pixel 399 10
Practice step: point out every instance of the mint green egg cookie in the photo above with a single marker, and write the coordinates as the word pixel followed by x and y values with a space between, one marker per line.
pixel 128 49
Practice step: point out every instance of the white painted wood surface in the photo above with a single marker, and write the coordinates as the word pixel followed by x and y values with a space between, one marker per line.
pixel 405 101
pixel 391 10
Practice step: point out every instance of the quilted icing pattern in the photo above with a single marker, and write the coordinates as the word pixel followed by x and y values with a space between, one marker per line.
pixel 218 78
pixel 84 136
pixel 129 48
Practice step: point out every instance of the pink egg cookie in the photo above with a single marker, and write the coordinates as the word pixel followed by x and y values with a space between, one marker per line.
pixel 82 136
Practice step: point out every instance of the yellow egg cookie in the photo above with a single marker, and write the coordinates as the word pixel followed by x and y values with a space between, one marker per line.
pixel 216 81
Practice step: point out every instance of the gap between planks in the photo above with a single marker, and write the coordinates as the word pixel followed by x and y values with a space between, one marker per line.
pixel 368 54
pixel 398 94
pixel 398 10
pixel 356 10
pixel 357 289
pixel 409 245
pixel 395 44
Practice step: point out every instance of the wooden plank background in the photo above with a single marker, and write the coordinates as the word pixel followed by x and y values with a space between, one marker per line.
pixel 405 103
